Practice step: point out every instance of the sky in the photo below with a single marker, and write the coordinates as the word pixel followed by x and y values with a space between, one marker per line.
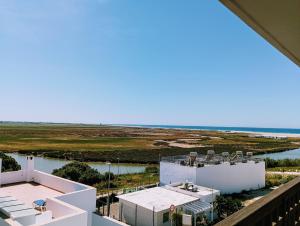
pixel 141 62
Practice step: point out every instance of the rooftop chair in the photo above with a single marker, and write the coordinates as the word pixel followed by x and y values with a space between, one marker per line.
pixel 39 205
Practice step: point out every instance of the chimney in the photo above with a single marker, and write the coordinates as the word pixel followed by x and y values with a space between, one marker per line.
pixel 29 168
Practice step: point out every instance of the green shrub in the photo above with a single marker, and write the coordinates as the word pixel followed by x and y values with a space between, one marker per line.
pixel 227 205
pixel 9 163
pixel 79 172
pixel 112 176
pixel 271 163
pixel 277 179
pixel 90 176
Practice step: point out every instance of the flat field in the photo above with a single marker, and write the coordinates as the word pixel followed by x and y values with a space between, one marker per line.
pixel 129 144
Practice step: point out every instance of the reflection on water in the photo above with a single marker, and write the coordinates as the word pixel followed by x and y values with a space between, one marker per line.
pixel 292 154
pixel 48 165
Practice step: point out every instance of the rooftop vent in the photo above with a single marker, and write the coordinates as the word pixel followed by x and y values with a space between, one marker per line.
pixel 210 155
pixel 200 165
pixel 239 154
pixel 249 154
pixel 225 154
pixel 192 158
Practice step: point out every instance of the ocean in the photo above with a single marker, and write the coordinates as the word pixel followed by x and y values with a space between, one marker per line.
pixel 220 128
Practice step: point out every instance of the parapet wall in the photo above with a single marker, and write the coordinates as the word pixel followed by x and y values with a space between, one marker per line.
pixel 76 194
pixel 107 221
pixel 13 177
pixel 224 177
pixel 57 183
pixel 232 178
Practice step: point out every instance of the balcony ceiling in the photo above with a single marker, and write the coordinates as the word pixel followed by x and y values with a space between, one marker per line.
pixel 278 21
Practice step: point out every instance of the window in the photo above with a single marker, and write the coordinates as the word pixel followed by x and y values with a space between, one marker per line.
pixel 165 217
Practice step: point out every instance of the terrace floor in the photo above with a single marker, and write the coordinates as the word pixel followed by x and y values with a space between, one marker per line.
pixel 29 192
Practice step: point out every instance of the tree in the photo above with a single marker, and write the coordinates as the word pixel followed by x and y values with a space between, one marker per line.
pixel 79 172
pixel 9 163
pixel 90 176
pixel 227 205
pixel 106 176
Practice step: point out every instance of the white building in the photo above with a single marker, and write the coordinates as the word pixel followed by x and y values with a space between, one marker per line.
pixel 229 174
pixel 154 206
pixel 67 203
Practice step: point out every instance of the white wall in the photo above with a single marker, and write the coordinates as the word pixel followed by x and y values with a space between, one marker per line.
pixel 60 209
pixel 28 220
pixel 46 216
pixel 85 200
pixel 65 214
pixel 128 211
pixel 233 178
pixel 224 177
pixel 57 183
pixel 13 177
pixel 79 195
pixel 173 172
pixel 72 220
pixel 105 221
pixel 144 216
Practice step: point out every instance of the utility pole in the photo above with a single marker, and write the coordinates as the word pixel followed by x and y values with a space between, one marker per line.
pixel 118 168
pixel 108 186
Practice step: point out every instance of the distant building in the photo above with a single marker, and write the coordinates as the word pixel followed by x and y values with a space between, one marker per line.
pixel 229 174
pixel 155 206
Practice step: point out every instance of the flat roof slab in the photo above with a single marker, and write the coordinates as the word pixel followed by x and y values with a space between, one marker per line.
pixel 29 192
pixel 158 197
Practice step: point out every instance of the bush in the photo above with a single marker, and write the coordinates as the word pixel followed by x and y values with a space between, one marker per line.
pixel 271 163
pixel 104 186
pixel 79 172
pixel 277 179
pixel 112 176
pixel 90 176
pixel 9 163
pixel 227 205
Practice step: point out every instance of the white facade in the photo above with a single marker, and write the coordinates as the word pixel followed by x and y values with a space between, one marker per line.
pixel 151 207
pixel 224 177
pixel 68 203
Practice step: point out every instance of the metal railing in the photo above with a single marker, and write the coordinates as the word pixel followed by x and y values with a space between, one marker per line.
pixel 280 207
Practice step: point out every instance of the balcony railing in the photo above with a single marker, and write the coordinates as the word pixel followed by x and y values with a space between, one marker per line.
pixel 279 207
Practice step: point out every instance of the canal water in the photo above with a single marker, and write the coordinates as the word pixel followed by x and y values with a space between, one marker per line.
pixel 48 165
pixel 292 154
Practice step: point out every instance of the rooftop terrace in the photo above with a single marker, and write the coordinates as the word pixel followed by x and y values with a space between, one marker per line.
pixel 29 192
pixel 56 199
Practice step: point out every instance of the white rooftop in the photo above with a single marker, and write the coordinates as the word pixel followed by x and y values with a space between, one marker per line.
pixel 160 198
pixel 199 190
pixel 29 192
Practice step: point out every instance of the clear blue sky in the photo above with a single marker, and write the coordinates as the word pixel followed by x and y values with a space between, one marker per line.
pixel 150 62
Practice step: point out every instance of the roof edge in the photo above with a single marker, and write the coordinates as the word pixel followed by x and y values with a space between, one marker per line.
pixel 251 22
